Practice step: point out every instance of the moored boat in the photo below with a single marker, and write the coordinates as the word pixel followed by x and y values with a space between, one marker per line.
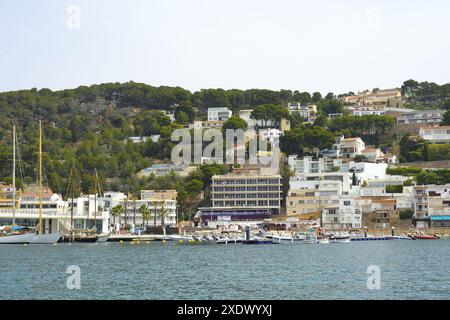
pixel 323 240
pixel 49 238
pixel 258 241
pixel 426 237
pixel 340 239
pixel 399 238
pixel 23 238
pixel 287 239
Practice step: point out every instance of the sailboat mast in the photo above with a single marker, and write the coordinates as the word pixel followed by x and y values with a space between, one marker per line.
pixel 95 200
pixel 71 185
pixel 40 177
pixel 14 175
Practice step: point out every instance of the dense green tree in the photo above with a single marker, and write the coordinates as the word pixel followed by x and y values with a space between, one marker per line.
pixel 211 98
pixel 427 177
pixel 316 97
pixel 306 136
pixel 302 97
pixel 329 106
pixel 235 123
pixel 446 118
pixel 270 112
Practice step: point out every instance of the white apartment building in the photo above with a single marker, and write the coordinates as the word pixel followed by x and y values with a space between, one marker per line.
pixel 432 206
pixel 310 197
pixel 435 134
pixel 307 112
pixel 346 214
pixel 421 116
pixel 111 199
pixel 162 205
pixel 85 213
pixel 308 165
pixel 350 147
pixel 219 114
pixel 304 181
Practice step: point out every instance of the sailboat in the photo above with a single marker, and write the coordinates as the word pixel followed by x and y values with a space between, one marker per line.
pixel 37 237
pixel 83 235
pixel 16 235
pixel 40 237
pixel 101 238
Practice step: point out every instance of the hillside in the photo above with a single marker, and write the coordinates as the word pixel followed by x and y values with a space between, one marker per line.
pixel 88 126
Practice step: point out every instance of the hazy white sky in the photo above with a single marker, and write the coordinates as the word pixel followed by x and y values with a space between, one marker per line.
pixel 324 46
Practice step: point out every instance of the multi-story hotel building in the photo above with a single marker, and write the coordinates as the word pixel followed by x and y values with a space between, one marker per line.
pixel 248 195
pixel 247 189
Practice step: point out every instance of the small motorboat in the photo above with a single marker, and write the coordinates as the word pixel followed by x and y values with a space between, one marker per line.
pixel 198 238
pixel 323 240
pixel 177 237
pixel 207 238
pixel 259 241
pixel 426 237
pixel 102 238
pixel 340 239
pixel 399 238
pixel 281 239
pixel 228 240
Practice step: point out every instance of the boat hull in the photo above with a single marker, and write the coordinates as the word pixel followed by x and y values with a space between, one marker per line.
pixel 17 238
pixel 87 239
pixel 288 240
pixel 340 240
pixel 258 241
pixel 426 237
pixel 370 239
pixel 102 238
pixel 399 238
pixel 49 238
pixel 229 240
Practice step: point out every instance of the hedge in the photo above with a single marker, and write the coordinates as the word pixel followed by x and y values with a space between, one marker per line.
pixel 438 152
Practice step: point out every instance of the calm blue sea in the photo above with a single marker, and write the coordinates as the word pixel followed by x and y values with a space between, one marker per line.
pixel 408 270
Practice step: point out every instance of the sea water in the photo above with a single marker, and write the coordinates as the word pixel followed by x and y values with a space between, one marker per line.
pixel 404 269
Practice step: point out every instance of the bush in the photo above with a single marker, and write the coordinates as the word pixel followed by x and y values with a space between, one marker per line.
pixel 415 156
pixel 438 152
pixel 406 171
pixel 398 188
pixel 408 183
pixel 406 214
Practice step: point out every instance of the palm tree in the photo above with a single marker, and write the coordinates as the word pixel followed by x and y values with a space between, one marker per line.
pixel 155 213
pixel 134 210
pixel 126 209
pixel 145 212
pixel 117 211
pixel 163 214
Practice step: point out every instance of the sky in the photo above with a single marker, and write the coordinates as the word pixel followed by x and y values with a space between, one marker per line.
pixel 326 46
